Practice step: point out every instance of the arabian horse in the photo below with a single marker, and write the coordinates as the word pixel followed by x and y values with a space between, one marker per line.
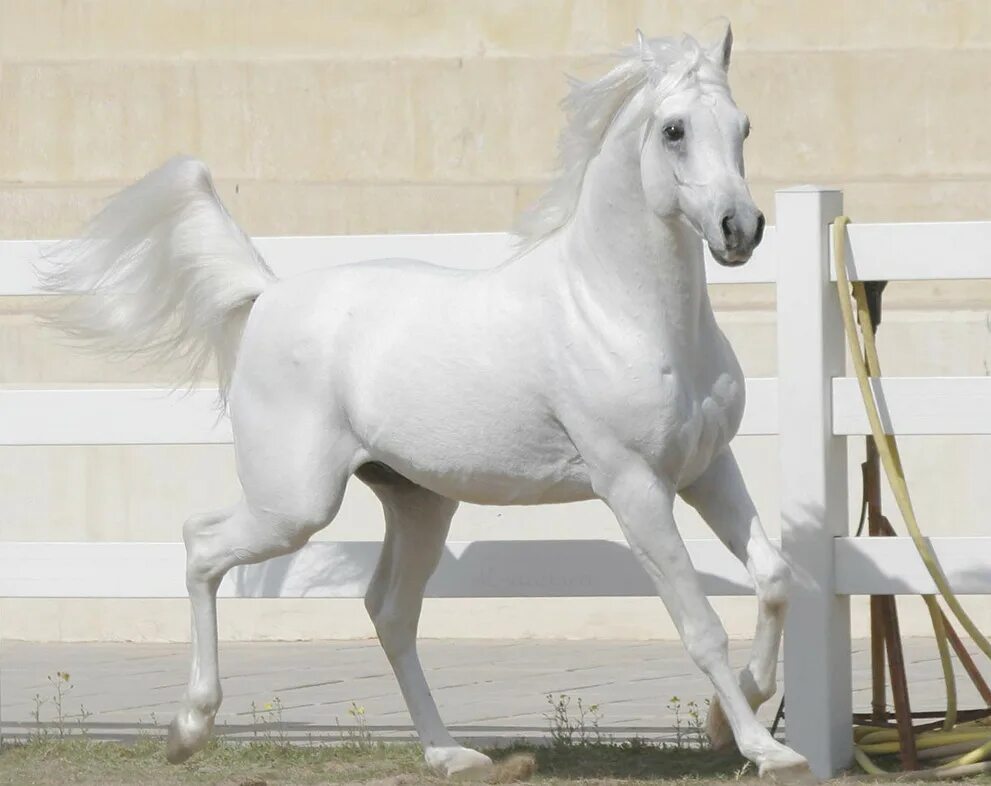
pixel 594 369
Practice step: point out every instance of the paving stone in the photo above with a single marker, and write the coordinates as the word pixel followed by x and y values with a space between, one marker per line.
pixel 486 690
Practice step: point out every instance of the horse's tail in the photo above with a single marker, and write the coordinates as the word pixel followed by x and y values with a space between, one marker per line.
pixel 162 273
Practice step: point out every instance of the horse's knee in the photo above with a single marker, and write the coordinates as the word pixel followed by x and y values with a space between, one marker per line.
pixel 772 577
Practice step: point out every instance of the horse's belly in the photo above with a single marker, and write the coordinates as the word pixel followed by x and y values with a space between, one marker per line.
pixel 488 481
pixel 485 458
pixel 485 487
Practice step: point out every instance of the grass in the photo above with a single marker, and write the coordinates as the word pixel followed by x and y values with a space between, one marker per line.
pixel 58 753
pixel 76 761
pixel 53 761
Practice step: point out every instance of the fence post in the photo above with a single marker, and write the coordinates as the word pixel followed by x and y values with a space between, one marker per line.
pixel 813 480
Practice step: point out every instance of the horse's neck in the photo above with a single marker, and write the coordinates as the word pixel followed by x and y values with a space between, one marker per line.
pixel 634 265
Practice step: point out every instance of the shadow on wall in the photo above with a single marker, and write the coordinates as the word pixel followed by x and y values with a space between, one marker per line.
pixel 480 569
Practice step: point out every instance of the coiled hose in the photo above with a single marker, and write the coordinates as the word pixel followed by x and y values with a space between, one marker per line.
pixel 958 749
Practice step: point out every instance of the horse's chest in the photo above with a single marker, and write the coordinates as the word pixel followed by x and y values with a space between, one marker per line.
pixel 683 420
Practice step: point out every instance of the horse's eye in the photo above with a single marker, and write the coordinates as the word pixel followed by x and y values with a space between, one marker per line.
pixel 746 130
pixel 673 132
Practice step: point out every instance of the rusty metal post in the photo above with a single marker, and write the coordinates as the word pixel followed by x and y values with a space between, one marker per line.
pixel 872 491
pixel 967 661
pixel 885 633
pixel 899 685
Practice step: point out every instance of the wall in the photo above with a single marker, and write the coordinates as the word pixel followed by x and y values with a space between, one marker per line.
pixel 353 116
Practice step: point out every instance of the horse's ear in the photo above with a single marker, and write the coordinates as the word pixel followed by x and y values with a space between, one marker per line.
pixel 719 52
pixel 644 48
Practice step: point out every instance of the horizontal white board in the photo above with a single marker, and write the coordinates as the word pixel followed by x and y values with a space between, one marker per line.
pixel 291 255
pixel 468 569
pixel 892 566
pixel 95 416
pixel 887 252
pixel 916 405
pixel 917 252
pixel 18 260
pixel 139 416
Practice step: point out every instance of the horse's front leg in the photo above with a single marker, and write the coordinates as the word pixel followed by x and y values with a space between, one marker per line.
pixel 643 504
pixel 721 498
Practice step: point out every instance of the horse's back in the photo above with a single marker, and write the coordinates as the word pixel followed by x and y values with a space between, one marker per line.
pixel 300 324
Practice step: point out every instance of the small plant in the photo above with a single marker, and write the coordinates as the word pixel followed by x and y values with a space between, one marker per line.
pixel 269 717
pixel 674 706
pixel 84 715
pixel 40 731
pixel 567 731
pixel 61 687
pixel 147 730
pixel 696 723
pixel 689 724
pixel 357 735
pixel 255 720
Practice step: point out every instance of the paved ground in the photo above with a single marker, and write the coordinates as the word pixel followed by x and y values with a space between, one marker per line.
pixel 486 690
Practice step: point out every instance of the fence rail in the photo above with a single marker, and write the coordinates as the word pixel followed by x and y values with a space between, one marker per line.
pixel 811 406
pixel 468 569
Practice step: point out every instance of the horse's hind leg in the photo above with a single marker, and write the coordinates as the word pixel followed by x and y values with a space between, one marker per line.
pixel 215 543
pixel 294 480
pixel 209 555
pixel 720 496
pixel 417 523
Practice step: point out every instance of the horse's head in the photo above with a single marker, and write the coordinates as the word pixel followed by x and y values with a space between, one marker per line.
pixel 692 146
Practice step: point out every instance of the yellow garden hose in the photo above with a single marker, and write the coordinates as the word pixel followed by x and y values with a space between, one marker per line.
pixel 953 739
pixel 874 370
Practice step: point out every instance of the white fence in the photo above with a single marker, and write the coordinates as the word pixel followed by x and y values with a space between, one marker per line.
pixel 811 406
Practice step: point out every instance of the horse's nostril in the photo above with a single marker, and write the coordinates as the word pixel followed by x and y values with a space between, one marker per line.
pixel 727 225
pixel 759 234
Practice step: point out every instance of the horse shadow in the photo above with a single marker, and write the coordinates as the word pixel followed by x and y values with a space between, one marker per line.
pixel 478 569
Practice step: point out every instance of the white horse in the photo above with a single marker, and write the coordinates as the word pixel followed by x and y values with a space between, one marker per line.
pixel 594 371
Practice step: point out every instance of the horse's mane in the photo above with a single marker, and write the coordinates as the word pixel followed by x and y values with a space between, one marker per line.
pixel 591 107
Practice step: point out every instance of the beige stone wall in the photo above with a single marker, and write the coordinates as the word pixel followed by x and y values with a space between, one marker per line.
pixel 353 116
pixel 384 116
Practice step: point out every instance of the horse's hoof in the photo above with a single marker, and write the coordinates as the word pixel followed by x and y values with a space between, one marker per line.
pixel 717 727
pixel 176 749
pixel 787 767
pixel 456 760
pixel 188 733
